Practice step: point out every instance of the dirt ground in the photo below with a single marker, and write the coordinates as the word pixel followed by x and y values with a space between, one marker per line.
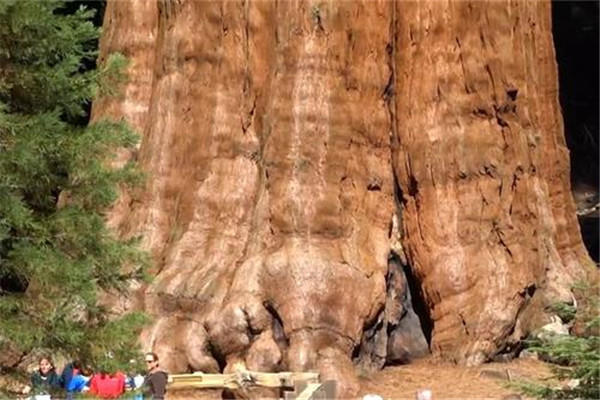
pixel 447 381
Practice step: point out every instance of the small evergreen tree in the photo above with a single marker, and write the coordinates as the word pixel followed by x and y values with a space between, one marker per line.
pixel 56 253
pixel 576 358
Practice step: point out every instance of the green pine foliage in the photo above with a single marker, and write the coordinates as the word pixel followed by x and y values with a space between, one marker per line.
pixel 576 358
pixel 56 253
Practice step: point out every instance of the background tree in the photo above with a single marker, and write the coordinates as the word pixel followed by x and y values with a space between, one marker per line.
pixel 56 252
pixel 575 357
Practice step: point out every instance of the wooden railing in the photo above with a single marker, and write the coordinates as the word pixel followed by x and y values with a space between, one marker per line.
pixel 293 385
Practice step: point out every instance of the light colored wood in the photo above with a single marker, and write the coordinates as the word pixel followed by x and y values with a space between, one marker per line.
pixel 309 392
pixel 240 379
pixel 283 379
pixel 298 388
pixel 329 388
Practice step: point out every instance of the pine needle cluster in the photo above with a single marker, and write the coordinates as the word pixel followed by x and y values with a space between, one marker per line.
pixel 575 358
pixel 56 183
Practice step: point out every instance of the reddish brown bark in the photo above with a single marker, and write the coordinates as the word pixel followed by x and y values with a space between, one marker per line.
pixel 483 167
pixel 273 134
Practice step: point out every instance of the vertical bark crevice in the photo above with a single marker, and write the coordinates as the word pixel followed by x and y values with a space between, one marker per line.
pixel 418 303
pixel 414 301
pixel 397 335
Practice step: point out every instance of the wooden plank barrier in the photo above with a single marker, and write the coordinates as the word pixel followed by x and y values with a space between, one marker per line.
pixel 313 391
pixel 295 385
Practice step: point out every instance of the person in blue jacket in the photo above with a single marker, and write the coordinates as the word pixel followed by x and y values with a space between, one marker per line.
pixel 75 377
pixel 79 381
pixel 69 371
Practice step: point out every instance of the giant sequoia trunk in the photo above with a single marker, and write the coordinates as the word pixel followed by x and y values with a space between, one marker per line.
pixel 484 168
pixel 297 152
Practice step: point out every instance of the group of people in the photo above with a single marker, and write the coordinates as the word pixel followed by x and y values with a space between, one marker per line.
pixel 77 377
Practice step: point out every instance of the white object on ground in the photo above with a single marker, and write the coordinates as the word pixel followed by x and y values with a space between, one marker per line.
pixel 573 383
pixel 528 354
pixel 554 328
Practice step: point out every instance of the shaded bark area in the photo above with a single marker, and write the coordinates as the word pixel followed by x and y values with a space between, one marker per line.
pixel 273 134
pixel 575 31
pixel 397 336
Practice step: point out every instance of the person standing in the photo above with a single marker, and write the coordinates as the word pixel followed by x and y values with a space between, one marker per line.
pixel 155 384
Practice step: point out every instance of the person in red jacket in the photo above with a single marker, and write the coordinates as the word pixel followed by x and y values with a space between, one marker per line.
pixel 108 386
